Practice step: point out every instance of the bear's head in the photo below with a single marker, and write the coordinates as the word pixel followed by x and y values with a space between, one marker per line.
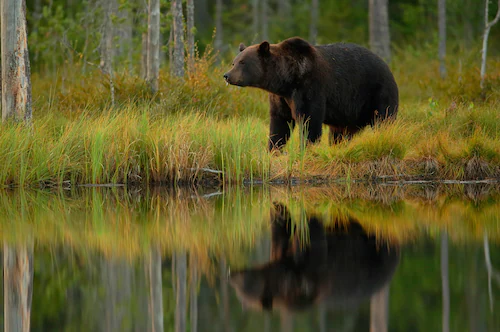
pixel 249 66
pixel 276 68
pixel 274 286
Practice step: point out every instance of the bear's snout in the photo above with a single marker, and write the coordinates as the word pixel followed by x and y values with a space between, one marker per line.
pixel 226 78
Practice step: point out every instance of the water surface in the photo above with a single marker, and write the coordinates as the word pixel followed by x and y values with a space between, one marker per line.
pixel 338 258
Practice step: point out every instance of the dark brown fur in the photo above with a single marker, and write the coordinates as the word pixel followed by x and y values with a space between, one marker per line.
pixel 341 266
pixel 342 85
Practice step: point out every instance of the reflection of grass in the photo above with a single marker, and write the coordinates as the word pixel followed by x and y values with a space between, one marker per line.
pixel 400 213
pixel 118 222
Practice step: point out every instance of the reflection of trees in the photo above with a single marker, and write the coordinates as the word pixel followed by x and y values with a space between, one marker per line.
pixel 116 277
pixel 180 291
pixel 445 282
pixel 379 310
pixel 18 286
pixel 492 273
pixel 193 291
pixel 155 290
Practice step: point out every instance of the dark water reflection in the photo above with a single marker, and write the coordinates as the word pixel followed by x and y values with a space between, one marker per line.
pixel 304 259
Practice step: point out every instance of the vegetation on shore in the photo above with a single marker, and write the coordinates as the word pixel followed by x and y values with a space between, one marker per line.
pixel 199 131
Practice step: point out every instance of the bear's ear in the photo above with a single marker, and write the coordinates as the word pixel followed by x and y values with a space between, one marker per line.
pixel 264 48
pixel 242 47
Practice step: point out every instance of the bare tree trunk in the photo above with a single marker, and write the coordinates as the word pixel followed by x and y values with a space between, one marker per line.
pixel 492 273
pixel 178 38
pixel 155 290
pixel 144 56
pixel 106 48
pixel 265 19
pixel 255 18
pixel 124 34
pixel 487 27
pixel 16 76
pixel 380 39
pixel 219 34
pixel 193 301
pixel 313 26
pixel 445 282
pixel 153 67
pixel 18 287
pixel 190 34
pixel 180 291
pixel 442 37
pixel 379 310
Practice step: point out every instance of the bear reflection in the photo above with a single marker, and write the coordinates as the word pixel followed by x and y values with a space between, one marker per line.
pixel 341 266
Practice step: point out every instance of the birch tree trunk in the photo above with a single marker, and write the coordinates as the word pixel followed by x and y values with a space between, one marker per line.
pixel 18 287
pixel 106 48
pixel 178 67
pixel 380 39
pixel 442 37
pixel 153 65
pixel 190 34
pixel 313 26
pixel 155 290
pixel 15 73
pixel 487 27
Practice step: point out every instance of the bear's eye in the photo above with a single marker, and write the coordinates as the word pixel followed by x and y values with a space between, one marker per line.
pixel 242 62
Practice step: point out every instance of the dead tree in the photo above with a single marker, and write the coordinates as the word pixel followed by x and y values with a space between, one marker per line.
pixel 487 27
pixel 15 73
pixel 178 65
pixel 153 45
pixel 190 34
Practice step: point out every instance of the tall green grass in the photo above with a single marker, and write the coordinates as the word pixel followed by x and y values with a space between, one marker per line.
pixel 199 130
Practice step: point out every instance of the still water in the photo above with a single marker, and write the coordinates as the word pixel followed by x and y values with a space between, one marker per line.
pixel 337 258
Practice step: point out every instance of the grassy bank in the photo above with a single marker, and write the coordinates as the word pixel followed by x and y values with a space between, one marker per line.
pixel 200 131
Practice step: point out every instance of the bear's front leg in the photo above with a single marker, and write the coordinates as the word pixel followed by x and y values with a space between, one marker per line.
pixel 310 114
pixel 281 122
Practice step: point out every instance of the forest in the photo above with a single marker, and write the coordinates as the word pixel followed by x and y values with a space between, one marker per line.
pixel 140 83
pixel 133 178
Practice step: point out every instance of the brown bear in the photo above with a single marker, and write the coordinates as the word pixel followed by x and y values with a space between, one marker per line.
pixel 340 267
pixel 344 86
